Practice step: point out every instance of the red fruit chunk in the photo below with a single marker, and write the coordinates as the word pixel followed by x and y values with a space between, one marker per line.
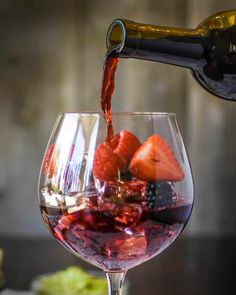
pixel 127 215
pixel 106 164
pixel 131 247
pixel 154 160
pixel 127 145
pixel 48 164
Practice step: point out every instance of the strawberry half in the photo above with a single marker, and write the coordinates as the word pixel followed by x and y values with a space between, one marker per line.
pixel 154 160
pixel 48 164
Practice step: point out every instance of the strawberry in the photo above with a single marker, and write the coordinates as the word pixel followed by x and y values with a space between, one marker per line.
pixel 48 164
pixel 106 163
pixel 114 141
pixel 115 155
pixel 127 145
pixel 154 160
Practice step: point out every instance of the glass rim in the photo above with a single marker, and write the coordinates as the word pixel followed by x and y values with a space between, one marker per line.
pixel 159 114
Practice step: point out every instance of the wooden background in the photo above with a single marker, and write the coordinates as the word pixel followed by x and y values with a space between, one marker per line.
pixel 51 56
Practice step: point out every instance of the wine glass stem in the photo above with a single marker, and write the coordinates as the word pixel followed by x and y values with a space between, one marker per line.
pixel 115 282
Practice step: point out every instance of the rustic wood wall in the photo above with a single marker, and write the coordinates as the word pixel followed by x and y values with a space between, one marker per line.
pixel 51 57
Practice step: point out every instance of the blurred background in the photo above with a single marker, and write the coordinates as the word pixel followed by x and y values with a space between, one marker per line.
pixel 51 60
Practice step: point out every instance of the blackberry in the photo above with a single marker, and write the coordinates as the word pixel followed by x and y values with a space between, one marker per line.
pixel 158 194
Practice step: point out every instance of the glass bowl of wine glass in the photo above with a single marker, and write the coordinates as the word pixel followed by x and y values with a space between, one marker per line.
pixel 116 202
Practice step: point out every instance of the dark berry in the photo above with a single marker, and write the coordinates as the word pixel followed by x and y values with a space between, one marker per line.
pixel 158 194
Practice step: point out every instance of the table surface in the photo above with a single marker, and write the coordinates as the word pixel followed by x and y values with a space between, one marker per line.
pixel 189 266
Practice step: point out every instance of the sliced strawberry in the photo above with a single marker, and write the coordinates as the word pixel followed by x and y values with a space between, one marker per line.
pixel 154 160
pixel 106 164
pixel 49 164
pixel 127 145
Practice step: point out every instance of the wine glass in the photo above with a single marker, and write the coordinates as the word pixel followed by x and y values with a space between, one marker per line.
pixel 116 203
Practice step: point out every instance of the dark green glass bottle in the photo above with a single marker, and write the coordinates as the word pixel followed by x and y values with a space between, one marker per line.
pixel 209 50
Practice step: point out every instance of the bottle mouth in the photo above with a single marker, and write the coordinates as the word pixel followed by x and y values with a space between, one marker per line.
pixel 123 38
pixel 116 35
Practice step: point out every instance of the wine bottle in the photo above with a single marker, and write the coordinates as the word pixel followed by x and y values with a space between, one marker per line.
pixel 209 50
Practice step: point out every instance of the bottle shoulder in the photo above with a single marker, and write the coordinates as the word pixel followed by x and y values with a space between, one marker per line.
pixel 220 20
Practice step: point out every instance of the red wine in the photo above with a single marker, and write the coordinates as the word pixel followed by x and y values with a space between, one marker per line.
pixel 108 86
pixel 117 233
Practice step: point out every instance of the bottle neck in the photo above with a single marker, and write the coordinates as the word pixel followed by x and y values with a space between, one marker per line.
pixel 182 47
